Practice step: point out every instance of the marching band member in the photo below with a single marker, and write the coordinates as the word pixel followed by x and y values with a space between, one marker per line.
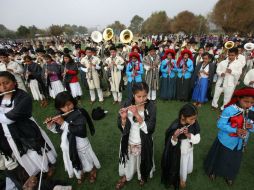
pixel 33 78
pixel 228 72
pixel 114 66
pixel 136 49
pixel 22 137
pixel 92 66
pixel 70 77
pixel 183 82
pixel 177 159
pixel 225 155
pixel 16 69
pixel 136 121
pixel 134 71
pixel 202 80
pixel 151 64
pixel 249 78
pixel 169 74
pixel 52 75
pixel 78 155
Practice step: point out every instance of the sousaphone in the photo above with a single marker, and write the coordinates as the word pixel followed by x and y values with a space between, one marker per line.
pixel 108 34
pixel 96 36
pixel 126 36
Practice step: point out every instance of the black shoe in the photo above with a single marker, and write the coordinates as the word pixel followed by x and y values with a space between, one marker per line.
pixel 229 182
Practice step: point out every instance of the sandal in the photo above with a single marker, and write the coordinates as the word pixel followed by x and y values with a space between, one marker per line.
pixel 93 176
pixel 120 184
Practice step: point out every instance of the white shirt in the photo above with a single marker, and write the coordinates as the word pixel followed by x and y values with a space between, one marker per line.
pixel 134 137
pixel 230 78
pixel 206 69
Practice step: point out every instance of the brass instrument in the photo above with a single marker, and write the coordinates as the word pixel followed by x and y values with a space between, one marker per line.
pixel 90 59
pixel 249 46
pixel 108 34
pixel 7 92
pixel 96 36
pixel 61 115
pixel 229 44
pixel 126 36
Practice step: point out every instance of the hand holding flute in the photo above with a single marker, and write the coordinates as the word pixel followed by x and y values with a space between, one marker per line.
pixel 57 119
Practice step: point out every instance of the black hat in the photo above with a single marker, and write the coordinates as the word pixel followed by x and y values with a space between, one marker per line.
pixel 153 47
pixel 93 49
pixel 66 50
pixel 50 51
pixel 40 50
pixel 23 49
pixel 112 48
pixel 77 46
pixel 98 113
pixel 119 46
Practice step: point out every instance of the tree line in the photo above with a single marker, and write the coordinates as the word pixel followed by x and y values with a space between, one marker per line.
pixel 229 16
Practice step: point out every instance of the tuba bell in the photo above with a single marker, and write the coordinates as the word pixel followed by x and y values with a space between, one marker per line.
pixel 249 46
pixel 126 36
pixel 108 34
pixel 96 36
pixel 229 44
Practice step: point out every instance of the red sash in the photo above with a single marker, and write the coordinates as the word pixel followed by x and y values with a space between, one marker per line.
pixel 236 122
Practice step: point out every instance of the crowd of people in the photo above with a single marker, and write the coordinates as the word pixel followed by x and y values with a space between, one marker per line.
pixel 173 69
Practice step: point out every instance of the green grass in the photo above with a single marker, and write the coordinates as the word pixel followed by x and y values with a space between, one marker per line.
pixel 106 146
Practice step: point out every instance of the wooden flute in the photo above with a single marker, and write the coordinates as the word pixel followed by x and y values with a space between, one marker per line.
pixel 61 115
pixel 2 94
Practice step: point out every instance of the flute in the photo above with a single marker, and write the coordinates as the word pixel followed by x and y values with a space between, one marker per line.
pixel 133 105
pixel 2 94
pixel 61 115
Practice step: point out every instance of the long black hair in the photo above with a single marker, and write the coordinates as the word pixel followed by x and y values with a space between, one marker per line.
pixel 188 110
pixel 11 77
pixel 62 98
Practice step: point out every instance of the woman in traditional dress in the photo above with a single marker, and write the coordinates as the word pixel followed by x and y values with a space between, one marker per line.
pixel 136 121
pixel 202 79
pixel 235 123
pixel 78 155
pixel 185 69
pixel 134 72
pixel 169 74
pixel 20 134
pixel 70 77
pixel 52 76
pixel 177 159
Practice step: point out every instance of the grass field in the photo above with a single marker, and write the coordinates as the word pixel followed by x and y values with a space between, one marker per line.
pixel 106 146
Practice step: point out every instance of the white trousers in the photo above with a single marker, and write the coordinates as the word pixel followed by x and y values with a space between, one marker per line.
pixel 152 95
pixel 99 92
pixel 228 92
pixel 117 96
pixel 186 165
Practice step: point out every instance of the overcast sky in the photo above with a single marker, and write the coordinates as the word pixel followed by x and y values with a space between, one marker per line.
pixel 92 13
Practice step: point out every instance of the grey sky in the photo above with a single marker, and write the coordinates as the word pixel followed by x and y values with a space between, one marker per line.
pixel 91 13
